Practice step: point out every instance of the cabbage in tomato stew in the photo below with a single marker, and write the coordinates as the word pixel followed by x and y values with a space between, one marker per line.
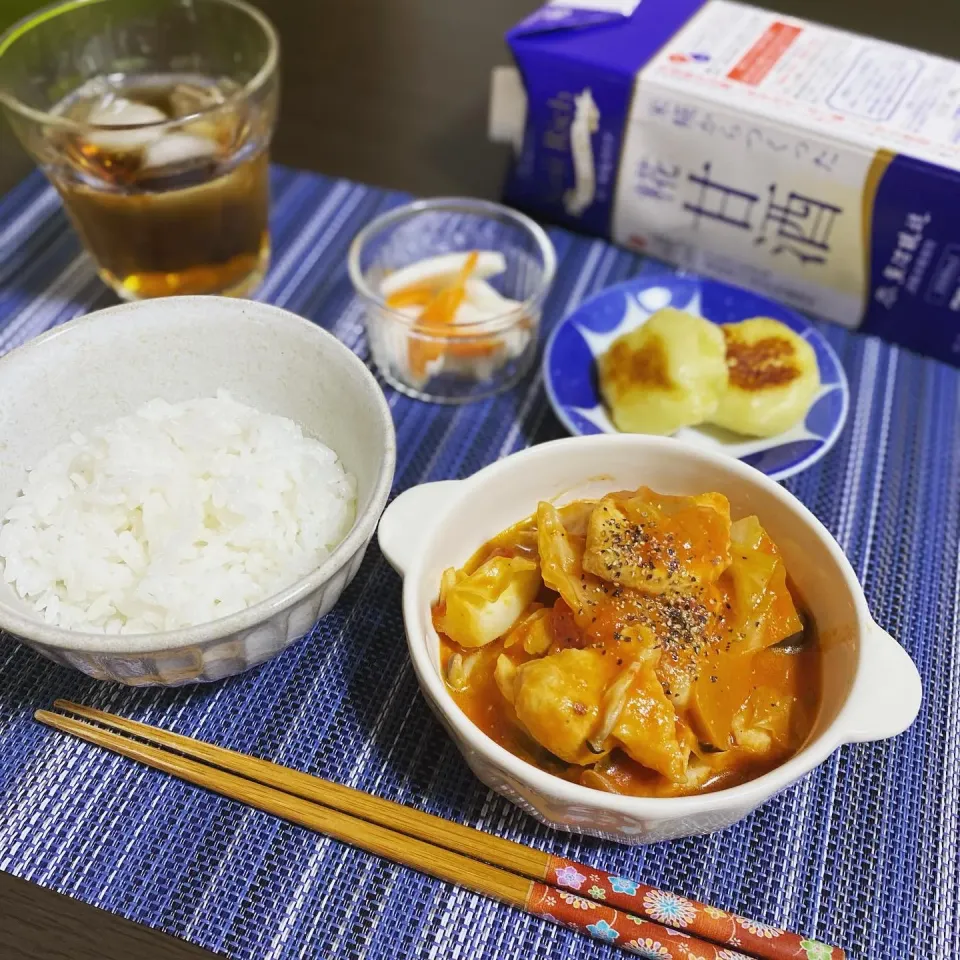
pixel 641 644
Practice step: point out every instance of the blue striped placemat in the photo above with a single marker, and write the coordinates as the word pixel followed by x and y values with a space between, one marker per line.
pixel 863 853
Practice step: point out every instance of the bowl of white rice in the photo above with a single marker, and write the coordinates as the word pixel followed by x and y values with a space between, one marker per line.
pixel 186 486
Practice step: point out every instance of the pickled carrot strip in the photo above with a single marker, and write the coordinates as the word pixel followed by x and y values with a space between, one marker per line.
pixel 443 307
pixel 477 348
pixel 420 353
pixel 440 311
pixel 416 295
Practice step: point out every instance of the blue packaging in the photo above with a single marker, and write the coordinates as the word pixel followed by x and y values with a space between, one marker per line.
pixel 813 165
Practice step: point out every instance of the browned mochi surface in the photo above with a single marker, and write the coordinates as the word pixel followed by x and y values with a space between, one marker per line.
pixel 664 375
pixel 772 378
pixel 771 361
pixel 643 366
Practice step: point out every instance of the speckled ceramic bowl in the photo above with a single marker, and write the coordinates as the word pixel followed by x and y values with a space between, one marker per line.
pixel 105 365
pixel 871 688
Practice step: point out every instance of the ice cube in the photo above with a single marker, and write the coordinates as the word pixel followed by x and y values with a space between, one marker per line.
pixel 189 98
pixel 175 148
pixel 121 112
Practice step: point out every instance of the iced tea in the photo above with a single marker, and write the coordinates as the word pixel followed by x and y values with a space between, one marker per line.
pixel 166 179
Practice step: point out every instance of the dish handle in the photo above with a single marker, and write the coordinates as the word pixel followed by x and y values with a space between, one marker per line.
pixel 405 521
pixel 887 695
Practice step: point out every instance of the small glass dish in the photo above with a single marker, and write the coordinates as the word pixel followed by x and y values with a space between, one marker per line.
pixel 481 358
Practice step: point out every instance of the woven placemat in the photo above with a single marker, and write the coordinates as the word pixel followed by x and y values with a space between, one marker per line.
pixel 863 852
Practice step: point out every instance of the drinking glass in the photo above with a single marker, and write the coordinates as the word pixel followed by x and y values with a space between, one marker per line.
pixel 152 118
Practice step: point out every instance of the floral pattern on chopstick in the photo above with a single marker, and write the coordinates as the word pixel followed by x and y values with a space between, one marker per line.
pixel 668 908
pixel 651 949
pixel 633 934
pixel 685 917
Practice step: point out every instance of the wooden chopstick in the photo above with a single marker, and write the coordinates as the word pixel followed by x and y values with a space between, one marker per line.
pixel 509 888
pixel 463 843
pixel 443 833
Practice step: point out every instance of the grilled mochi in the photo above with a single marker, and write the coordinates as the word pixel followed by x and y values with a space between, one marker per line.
pixel 773 378
pixel 667 374
pixel 655 542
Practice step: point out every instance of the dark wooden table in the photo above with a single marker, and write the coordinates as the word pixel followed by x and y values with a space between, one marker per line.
pixel 392 92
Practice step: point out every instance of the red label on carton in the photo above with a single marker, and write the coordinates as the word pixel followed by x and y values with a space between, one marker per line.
pixel 761 58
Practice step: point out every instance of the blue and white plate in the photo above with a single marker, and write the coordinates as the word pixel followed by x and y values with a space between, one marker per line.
pixel 570 370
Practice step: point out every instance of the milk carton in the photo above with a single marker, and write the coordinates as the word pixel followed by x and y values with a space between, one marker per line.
pixel 817 166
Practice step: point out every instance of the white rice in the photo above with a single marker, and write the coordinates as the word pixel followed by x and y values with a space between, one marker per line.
pixel 175 516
